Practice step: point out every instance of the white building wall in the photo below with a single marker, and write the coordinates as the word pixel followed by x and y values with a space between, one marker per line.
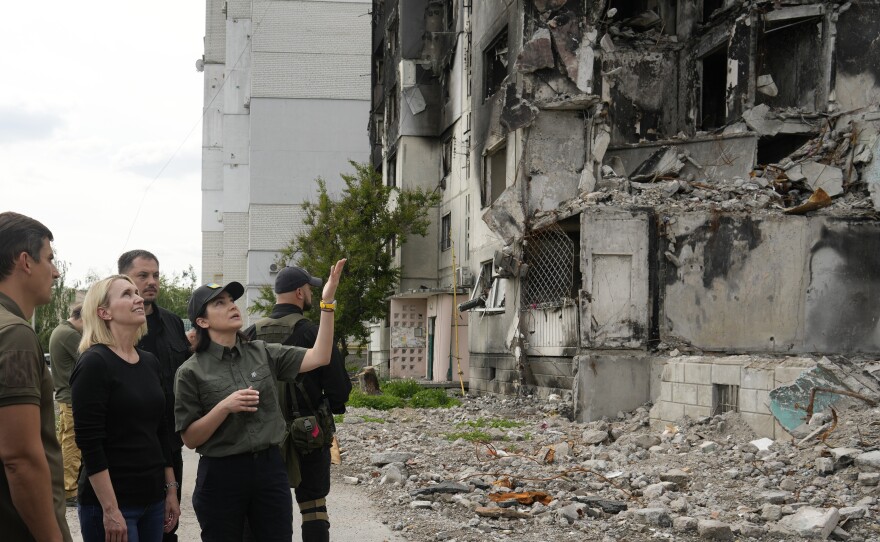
pixel 286 101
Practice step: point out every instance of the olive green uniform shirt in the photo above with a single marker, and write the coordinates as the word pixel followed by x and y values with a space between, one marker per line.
pixel 25 380
pixel 212 375
pixel 63 352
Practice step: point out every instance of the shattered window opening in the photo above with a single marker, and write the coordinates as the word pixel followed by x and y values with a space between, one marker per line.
pixel 392 172
pixel 495 174
pixel 789 54
pixel 725 398
pixel 446 157
pixel 490 288
pixel 550 255
pixel 713 89
pixel 446 232
pixel 495 64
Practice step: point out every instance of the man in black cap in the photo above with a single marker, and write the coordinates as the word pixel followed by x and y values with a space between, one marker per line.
pixel 165 339
pixel 321 392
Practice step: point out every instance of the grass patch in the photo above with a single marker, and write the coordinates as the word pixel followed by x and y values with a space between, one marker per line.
pixel 470 436
pixel 339 418
pixel 433 398
pixel 497 423
pixel 377 402
pixel 373 419
pixel 401 388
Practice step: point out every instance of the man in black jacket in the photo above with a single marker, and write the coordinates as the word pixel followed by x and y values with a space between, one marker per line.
pixel 165 338
pixel 329 385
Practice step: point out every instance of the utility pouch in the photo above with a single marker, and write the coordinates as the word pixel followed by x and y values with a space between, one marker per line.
pixel 306 433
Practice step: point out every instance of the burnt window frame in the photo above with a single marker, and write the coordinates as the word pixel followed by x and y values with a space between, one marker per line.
pixel 492 63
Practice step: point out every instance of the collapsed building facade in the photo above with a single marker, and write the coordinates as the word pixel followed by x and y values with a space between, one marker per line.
pixel 658 200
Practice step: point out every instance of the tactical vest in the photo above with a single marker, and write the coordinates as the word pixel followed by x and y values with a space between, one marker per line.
pixel 277 330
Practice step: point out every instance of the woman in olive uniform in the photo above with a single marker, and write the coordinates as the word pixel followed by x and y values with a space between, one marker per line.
pixel 226 409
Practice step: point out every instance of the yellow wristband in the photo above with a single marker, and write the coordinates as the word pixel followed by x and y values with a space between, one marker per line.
pixel 328 306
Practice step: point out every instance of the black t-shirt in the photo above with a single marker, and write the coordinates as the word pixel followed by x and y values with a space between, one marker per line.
pixel 154 322
pixel 118 414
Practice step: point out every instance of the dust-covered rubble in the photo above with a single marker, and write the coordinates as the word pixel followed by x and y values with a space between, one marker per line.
pixel 543 477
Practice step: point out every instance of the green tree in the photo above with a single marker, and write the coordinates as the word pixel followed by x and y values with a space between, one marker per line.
pixel 175 291
pixel 360 225
pixel 47 317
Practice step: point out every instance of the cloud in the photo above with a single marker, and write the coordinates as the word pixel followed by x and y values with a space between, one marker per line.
pixel 17 124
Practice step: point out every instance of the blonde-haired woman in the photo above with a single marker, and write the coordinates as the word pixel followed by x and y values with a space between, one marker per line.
pixel 127 491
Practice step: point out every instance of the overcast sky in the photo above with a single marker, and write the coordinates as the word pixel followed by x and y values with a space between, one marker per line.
pixel 95 99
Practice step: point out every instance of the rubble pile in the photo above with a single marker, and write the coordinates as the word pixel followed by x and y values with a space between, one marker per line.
pixel 540 476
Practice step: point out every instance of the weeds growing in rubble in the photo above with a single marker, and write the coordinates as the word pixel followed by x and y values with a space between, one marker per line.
pixel 399 394
pixel 471 436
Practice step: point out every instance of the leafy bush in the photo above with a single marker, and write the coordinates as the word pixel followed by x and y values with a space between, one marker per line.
pixel 377 402
pixel 433 398
pixel 401 388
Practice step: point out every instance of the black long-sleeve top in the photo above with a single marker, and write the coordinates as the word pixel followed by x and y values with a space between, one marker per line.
pixel 119 424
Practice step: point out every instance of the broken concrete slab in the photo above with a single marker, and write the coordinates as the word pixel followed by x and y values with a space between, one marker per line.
pixel 516 112
pixel 812 523
pixel 664 162
pixel 566 38
pixel 537 53
pixel 767 86
pixel 828 178
pixel 758 119
pixel 607 43
pixel 505 217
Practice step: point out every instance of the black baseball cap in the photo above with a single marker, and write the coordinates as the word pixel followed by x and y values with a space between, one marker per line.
pixel 205 293
pixel 291 278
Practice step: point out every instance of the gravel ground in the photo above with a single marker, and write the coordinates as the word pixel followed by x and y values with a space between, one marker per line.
pixel 610 480
pixel 352 512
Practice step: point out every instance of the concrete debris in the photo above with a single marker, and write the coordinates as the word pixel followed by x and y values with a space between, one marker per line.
pixel 566 38
pixel 811 523
pixel 516 113
pixel 537 53
pixel 607 43
pixel 666 161
pixel 766 86
pixel 828 178
pixel 620 479
pixel 757 119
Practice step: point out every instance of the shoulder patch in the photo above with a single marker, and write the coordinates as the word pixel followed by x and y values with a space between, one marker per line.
pixel 18 369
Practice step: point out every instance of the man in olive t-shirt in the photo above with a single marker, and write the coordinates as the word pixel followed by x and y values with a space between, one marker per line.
pixel 32 478
pixel 63 353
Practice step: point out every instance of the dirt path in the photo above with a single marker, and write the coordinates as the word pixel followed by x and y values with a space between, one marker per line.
pixel 352 515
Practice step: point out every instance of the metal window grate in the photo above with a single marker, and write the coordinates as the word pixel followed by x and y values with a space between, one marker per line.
pixel 550 255
pixel 725 399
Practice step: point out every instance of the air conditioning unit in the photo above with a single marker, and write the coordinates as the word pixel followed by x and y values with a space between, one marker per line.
pixel 464 278
pixel 273 268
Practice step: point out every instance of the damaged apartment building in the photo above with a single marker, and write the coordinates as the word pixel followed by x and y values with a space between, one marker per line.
pixel 671 201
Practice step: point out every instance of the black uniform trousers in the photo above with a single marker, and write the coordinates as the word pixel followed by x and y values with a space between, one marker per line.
pixel 311 495
pixel 250 486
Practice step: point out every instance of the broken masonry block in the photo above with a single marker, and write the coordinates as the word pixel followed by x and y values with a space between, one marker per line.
pixel 767 86
pixel 664 162
pixel 536 54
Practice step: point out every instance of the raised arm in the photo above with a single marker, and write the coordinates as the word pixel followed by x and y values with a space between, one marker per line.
pixel 319 354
